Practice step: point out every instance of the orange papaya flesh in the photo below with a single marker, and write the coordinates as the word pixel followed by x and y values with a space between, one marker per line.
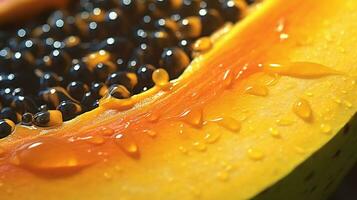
pixel 208 124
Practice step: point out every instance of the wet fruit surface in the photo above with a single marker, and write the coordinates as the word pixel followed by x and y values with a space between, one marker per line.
pixel 229 134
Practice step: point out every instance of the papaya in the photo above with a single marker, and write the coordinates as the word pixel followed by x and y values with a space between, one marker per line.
pixel 267 111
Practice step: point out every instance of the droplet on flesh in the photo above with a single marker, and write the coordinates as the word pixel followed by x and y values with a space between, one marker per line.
pixel 302 109
pixel 107 131
pixel 48 156
pixel 95 139
pixel 230 124
pixel 152 117
pixel 255 154
pixel 150 133
pixel 222 175
pixel 257 90
pixel 284 122
pixel 212 137
pixel 128 145
pixel 228 79
pixel 199 146
pixel 160 77
pixel 301 69
pixel 183 150
pixel 325 128
pixel 193 117
pixel 274 132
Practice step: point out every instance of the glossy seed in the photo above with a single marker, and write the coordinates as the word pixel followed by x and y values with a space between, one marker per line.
pixel 232 10
pixel 69 110
pixel 103 69
pixel 119 92
pixel 144 74
pixel 174 61
pixel 201 45
pixel 27 119
pixel 211 20
pixel 50 79
pixel 77 89
pixel 190 27
pixel 255 154
pixel 127 79
pixel 48 118
pixel 6 127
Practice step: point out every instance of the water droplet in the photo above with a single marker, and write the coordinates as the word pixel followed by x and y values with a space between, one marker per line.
pixel 325 128
pixel 223 176
pixel 160 77
pixel 199 146
pixel 230 124
pixel 212 137
pixel 228 168
pixel 299 150
pixel 181 129
pixel 107 175
pixel 257 90
pixel 41 156
pixel 274 78
pixel 95 139
pixel 309 94
pixel 153 117
pixel 283 36
pixel 228 78
pixel 150 133
pixel 255 154
pixel 348 104
pixel 118 168
pixel 107 131
pixel 301 69
pixel 193 117
pixel 183 150
pixel 302 109
pixel 274 132
pixel 337 100
pixel 284 122
pixel 128 145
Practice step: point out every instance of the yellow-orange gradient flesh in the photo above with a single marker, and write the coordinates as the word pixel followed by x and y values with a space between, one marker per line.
pixel 271 92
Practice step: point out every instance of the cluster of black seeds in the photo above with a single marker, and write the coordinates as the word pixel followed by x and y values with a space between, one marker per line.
pixel 68 59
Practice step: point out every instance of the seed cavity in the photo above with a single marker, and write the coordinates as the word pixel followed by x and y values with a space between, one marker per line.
pixel 70 59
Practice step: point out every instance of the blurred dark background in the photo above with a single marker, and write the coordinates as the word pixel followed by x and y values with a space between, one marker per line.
pixel 348 188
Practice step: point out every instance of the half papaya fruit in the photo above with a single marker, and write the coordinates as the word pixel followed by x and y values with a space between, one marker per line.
pixel 267 113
